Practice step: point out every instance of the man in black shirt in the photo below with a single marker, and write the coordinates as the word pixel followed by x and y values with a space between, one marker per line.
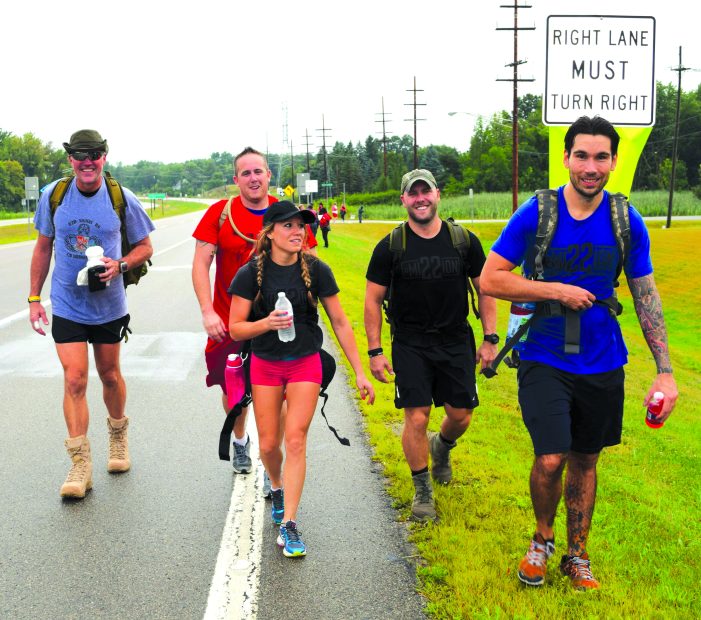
pixel 433 347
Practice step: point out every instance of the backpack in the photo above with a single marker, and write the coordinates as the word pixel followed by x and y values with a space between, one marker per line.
pixel 119 203
pixel 397 245
pixel 547 225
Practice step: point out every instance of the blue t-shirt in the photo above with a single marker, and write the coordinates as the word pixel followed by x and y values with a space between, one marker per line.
pixel 79 223
pixel 583 253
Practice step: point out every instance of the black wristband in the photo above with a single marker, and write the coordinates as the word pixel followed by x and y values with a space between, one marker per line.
pixel 375 352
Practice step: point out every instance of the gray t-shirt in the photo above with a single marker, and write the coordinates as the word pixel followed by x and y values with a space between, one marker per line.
pixel 81 222
pixel 276 278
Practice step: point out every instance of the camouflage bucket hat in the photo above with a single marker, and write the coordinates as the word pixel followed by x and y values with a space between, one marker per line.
pixel 86 140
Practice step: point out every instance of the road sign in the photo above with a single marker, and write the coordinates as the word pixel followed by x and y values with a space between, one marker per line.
pixel 289 190
pixel 601 65
pixel 311 186
pixel 31 188
pixel 157 196
pixel 327 185
pixel 302 178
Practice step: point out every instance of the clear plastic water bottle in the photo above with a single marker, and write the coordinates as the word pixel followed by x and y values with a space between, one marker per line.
pixel 235 380
pixel 282 303
pixel 654 409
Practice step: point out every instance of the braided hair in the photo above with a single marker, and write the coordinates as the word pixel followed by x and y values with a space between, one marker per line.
pixel 263 251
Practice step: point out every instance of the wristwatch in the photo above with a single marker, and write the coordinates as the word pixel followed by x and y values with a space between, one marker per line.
pixel 123 267
pixel 492 338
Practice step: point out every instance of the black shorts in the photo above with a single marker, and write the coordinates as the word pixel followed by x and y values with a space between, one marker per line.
pixel 65 331
pixel 437 374
pixel 563 411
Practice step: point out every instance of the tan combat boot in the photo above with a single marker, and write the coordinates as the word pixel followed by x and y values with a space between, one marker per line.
pixel 79 478
pixel 118 460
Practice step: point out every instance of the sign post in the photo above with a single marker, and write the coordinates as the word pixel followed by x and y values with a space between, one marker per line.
pixel 600 65
pixel 31 192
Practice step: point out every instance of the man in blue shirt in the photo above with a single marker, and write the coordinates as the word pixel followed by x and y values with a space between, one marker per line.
pixel 96 313
pixel 572 403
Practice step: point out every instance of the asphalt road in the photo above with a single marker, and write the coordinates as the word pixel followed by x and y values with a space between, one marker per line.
pixel 157 541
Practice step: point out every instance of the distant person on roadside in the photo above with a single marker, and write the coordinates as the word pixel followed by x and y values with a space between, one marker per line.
pixel 334 211
pixel 433 346
pixel 343 212
pixel 95 313
pixel 292 369
pixel 324 225
pixel 315 224
pixel 361 212
pixel 572 402
pixel 233 247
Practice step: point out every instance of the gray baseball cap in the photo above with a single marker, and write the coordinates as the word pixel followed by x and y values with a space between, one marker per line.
pixel 420 174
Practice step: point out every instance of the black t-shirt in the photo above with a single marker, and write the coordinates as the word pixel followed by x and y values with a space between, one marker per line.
pixel 429 292
pixel 276 278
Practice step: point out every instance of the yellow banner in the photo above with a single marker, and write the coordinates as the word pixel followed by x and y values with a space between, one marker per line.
pixel 630 148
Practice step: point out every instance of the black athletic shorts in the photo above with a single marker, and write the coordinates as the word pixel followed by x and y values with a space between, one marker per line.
pixel 563 411
pixel 64 331
pixel 438 374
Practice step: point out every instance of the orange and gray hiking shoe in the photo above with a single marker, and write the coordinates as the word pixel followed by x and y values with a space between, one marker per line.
pixel 534 565
pixel 578 569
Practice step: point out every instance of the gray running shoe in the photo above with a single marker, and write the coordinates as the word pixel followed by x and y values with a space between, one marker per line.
pixel 441 469
pixel 422 507
pixel 242 457
pixel 267 487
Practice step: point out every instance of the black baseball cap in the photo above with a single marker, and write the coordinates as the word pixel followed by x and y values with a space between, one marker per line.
pixel 284 210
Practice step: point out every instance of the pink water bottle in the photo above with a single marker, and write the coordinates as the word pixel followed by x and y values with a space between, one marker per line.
pixel 235 380
pixel 654 409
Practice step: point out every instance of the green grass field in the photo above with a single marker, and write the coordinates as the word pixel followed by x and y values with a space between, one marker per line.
pixel 26 232
pixel 645 542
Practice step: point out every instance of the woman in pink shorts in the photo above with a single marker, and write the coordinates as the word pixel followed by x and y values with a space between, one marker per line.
pixel 288 369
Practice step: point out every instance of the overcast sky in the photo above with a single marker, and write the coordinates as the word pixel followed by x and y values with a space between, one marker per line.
pixel 173 80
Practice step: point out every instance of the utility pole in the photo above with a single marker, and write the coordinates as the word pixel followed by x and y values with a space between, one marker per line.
pixel 416 147
pixel 292 163
pixel 306 144
pixel 384 135
pixel 514 115
pixel 679 69
pixel 323 131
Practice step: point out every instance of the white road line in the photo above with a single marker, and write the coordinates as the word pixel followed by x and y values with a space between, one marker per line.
pixel 23 314
pixel 233 594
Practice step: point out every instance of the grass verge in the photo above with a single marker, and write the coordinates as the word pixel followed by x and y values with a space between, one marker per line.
pixel 645 541
pixel 26 232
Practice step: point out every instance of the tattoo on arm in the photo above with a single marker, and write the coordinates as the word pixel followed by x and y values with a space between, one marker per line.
pixel 648 307
pixel 206 243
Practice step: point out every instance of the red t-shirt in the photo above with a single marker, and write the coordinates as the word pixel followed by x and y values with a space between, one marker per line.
pixel 232 251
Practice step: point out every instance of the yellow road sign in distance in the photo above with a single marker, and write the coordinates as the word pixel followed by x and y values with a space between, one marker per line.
pixel 289 190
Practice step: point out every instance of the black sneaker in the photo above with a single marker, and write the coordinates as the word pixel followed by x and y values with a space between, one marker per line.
pixel 277 510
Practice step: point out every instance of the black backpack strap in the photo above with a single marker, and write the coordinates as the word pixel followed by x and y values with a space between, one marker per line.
pixel 461 242
pixel 620 220
pixel 547 224
pixel 491 370
pixel 397 245
pixel 342 440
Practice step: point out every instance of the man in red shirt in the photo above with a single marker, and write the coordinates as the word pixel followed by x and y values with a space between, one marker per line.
pixel 216 237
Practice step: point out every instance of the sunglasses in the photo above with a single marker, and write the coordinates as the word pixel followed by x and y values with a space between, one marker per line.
pixel 83 155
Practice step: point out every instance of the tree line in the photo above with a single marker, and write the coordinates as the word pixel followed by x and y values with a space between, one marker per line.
pixel 377 165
